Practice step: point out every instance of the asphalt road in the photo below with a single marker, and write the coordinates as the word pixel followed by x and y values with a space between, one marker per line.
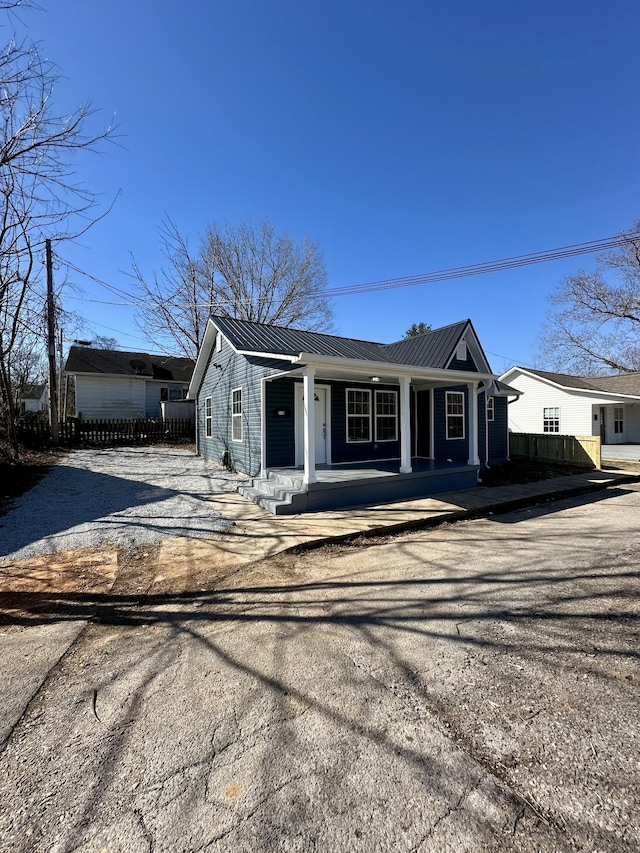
pixel 473 687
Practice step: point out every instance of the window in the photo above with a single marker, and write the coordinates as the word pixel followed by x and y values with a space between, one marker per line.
pixel 551 419
pixel 236 414
pixel 618 419
pixel 386 415
pixel 455 414
pixel 208 428
pixel 177 393
pixel 461 351
pixel 358 415
pixel 490 408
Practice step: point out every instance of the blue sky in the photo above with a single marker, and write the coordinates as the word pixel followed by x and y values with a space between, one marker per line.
pixel 402 137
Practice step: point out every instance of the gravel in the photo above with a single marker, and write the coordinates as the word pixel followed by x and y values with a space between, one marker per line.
pixel 123 497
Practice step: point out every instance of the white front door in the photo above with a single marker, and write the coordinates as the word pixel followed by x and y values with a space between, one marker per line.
pixel 321 405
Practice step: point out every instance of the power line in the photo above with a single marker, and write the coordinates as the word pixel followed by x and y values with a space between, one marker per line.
pixel 513 262
pixel 485 267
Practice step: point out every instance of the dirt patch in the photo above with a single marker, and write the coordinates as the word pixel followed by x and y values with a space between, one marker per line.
pixel 519 472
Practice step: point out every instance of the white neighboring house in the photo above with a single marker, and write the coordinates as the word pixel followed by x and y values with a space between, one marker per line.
pixel 608 406
pixel 34 398
pixel 112 384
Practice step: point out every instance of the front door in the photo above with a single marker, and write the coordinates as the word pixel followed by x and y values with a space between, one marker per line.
pixel 603 425
pixel 321 408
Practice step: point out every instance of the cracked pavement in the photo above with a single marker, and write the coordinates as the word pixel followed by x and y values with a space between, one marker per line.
pixel 473 687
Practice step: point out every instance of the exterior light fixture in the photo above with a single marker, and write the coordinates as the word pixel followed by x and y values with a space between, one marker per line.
pixel 374 378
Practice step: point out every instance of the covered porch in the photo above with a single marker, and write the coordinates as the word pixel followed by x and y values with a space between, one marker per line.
pixel 284 490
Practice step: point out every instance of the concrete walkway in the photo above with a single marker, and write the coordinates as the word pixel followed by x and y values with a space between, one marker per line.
pixel 257 534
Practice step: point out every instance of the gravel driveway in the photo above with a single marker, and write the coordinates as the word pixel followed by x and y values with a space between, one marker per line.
pixel 124 497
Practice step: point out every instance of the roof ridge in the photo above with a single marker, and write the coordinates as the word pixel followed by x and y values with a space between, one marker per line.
pixel 300 331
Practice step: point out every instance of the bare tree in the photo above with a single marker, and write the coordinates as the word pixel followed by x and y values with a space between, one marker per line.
pixel 593 326
pixel 39 194
pixel 247 271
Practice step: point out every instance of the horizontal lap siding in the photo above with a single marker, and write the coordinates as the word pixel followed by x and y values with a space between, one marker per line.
pixel 280 430
pixel 235 371
pixel 498 432
pixel 455 449
pixel 343 451
pixel 526 413
pixel 110 397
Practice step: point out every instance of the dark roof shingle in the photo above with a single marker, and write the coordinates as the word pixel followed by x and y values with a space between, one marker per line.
pixel 118 362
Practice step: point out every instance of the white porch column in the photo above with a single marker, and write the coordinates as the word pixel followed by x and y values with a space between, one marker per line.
pixel 308 383
pixel 474 458
pixel 405 426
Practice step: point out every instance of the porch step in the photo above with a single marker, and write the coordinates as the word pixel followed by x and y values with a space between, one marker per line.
pixel 277 493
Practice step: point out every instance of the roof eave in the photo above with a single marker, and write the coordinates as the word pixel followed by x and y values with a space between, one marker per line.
pixel 389 367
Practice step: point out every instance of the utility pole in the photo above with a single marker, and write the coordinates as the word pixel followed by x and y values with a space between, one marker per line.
pixel 51 350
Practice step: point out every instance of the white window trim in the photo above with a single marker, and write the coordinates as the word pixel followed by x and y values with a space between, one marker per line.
pixel 491 409
pixel 618 420
pixel 359 391
pixel 237 415
pixel 376 415
pixel 208 418
pixel 550 418
pixel 461 415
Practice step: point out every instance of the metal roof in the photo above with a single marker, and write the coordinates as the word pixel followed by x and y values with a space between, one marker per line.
pixel 432 349
pixel 247 336
pixel 117 362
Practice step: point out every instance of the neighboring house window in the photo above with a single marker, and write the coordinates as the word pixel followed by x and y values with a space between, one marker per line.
pixel 455 414
pixel 551 419
pixel 236 414
pixel 461 351
pixel 358 415
pixel 618 419
pixel 491 408
pixel 208 428
pixel 386 415
pixel 176 393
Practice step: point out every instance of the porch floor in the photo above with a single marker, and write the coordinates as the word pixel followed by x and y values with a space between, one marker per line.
pixel 346 471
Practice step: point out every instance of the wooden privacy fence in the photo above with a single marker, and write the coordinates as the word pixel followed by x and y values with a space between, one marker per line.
pixel 548 447
pixel 99 433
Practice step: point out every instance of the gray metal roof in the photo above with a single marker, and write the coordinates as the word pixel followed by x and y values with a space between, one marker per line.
pixel 432 349
pixel 260 337
pixel 162 367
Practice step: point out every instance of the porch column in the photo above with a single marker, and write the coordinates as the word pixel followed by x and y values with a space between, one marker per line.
pixel 405 425
pixel 308 384
pixel 474 458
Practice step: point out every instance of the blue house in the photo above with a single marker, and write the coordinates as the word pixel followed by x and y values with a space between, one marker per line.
pixel 319 421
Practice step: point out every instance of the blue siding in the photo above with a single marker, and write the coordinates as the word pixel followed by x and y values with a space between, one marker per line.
pixel 343 451
pixel 467 364
pixel 280 430
pixel 455 449
pixel 235 371
pixel 499 432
